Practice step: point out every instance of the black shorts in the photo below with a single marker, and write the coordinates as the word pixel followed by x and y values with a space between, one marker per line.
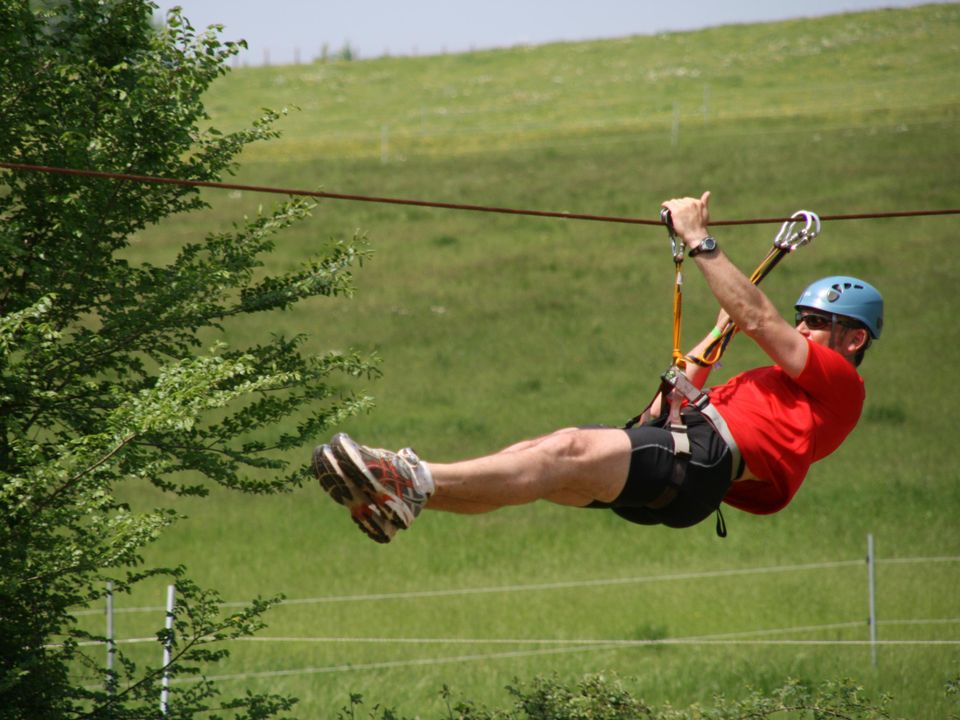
pixel 707 479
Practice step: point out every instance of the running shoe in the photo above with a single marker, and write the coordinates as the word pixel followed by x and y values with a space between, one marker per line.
pixel 397 484
pixel 339 487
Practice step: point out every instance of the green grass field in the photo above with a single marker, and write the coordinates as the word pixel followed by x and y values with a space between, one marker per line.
pixel 493 328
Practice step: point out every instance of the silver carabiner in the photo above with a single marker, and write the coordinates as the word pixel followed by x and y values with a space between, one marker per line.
pixel 676 244
pixel 789 240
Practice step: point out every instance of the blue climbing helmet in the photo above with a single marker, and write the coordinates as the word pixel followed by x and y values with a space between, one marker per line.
pixel 846 296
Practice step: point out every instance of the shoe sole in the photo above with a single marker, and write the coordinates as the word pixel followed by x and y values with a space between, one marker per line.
pixel 353 467
pixel 339 487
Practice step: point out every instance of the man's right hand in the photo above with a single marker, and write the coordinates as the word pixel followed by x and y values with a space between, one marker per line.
pixel 690 217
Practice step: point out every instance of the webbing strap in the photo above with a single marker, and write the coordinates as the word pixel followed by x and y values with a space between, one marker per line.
pixel 678 250
pixel 721 524
pixel 678 356
pixel 723 430
pixel 700 400
pixel 681 457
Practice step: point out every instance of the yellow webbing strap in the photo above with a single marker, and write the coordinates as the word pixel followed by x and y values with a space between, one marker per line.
pixel 678 357
pixel 679 251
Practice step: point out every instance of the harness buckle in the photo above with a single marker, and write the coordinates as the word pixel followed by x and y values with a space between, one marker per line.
pixel 681 385
pixel 678 380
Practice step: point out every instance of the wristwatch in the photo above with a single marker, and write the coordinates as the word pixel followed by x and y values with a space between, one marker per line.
pixel 708 244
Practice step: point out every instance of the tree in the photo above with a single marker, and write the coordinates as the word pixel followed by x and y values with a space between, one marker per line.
pixel 104 377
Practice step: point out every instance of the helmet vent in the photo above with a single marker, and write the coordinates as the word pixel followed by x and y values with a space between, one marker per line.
pixel 837 289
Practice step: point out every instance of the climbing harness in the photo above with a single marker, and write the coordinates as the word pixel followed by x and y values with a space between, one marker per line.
pixel 676 388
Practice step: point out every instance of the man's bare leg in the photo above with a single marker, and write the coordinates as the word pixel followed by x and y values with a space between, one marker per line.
pixel 385 491
pixel 569 467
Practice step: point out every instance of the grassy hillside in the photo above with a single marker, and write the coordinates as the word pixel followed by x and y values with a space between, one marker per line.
pixel 493 328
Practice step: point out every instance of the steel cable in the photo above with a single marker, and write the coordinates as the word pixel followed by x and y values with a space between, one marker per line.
pixel 130 177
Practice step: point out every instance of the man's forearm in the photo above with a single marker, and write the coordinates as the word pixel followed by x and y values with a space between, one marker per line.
pixel 695 372
pixel 743 301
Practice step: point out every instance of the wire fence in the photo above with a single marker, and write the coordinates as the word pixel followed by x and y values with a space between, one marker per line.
pixel 405 146
pixel 557 646
pixel 746 637
pixel 435 129
pixel 580 646
pixel 529 647
pixel 615 102
pixel 558 585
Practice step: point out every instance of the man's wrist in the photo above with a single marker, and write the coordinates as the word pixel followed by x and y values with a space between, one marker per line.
pixel 692 236
pixel 705 245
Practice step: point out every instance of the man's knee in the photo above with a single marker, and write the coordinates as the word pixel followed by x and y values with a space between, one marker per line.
pixel 589 462
pixel 570 446
pixel 546 466
pixel 594 462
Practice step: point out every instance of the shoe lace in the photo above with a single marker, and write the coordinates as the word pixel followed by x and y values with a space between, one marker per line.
pixel 390 475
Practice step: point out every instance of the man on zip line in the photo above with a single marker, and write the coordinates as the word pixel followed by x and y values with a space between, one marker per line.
pixel 748 442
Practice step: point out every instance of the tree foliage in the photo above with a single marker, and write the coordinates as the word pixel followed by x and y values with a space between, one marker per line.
pixel 104 374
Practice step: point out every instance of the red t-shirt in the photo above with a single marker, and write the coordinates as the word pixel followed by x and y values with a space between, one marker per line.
pixel 783 425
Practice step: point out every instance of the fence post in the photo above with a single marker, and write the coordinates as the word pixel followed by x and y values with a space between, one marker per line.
pixel 872 589
pixel 384 144
pixel 167 651
pixel 111 645
pixel 675 128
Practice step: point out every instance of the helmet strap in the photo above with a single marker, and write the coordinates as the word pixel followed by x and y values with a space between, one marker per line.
pixel 836 333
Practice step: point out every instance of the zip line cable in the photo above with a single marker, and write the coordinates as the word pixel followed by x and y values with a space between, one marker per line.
pixel 434 204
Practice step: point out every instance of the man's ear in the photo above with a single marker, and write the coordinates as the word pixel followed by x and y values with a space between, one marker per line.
pixel 858 340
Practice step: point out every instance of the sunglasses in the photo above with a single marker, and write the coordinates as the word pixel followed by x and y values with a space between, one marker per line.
pixel 819 322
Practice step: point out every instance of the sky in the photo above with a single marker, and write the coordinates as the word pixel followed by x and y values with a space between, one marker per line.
pixel 284 31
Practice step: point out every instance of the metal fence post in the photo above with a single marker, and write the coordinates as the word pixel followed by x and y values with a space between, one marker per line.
pixel 872 589
pixel 167 651
pixel 675 127
pixel 111 645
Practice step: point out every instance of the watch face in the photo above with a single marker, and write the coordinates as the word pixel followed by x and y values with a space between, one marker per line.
pixel 706 245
